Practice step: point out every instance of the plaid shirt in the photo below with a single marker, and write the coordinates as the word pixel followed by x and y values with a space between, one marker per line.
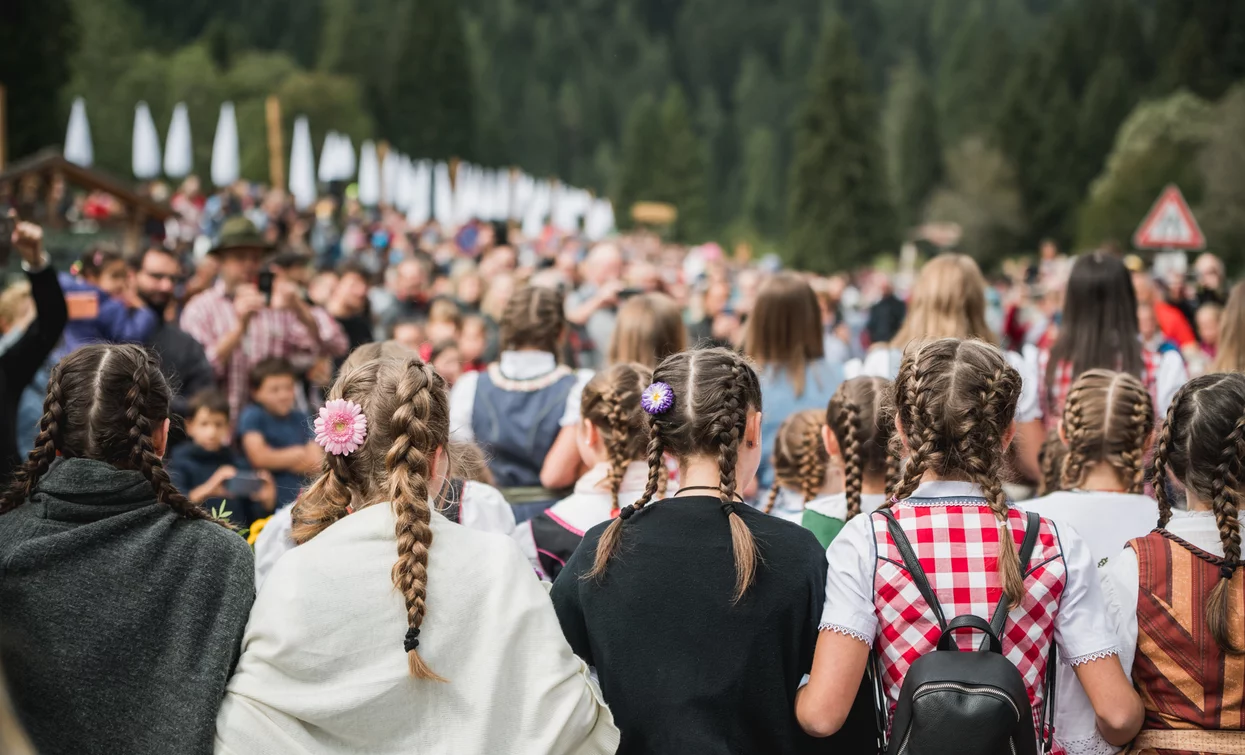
pixel 1055 395
pixel 210 317
pixel 957 542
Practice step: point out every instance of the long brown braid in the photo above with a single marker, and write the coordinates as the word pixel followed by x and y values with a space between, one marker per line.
pixel 107 403
pixel 611 402
pixel 861 419
pixel 714 390
pixel 407 412
pixel 1202 446
pixel 955 401
pixel 1050 461
pixel 800 460
pixel 1107 418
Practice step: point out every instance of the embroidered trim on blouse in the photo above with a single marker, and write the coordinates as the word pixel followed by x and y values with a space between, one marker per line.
pixel 950 501
pixel 527 386
pixel 826 626
pixel 1088 746
pixel 1095 656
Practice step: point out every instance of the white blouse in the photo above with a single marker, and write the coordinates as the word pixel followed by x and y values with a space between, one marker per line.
pixel 588 505
pixel 483 508
pixel 1107 521
pixel 323 668
pixel 789 505
pixel 1082 632
pixel 884 363
pixel 835 506
pixel 515 365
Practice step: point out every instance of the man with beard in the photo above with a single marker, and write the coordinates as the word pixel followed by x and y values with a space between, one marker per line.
pixel 182 359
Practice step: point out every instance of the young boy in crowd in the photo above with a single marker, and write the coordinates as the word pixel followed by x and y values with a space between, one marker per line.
pixel 276 436
pixel 205 469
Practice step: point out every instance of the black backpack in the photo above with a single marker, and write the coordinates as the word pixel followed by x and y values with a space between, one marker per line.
pixel 964 703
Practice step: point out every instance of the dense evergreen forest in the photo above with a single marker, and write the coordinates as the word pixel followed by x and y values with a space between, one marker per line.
pixel 823 129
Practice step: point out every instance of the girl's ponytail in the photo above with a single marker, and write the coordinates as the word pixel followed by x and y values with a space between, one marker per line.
pixel 1226 490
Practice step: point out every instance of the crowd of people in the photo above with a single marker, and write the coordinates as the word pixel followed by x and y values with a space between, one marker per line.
pixel 332 484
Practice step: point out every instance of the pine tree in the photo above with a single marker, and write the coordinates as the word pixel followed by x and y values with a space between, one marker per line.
pixel 680 178
pixel 761 190
pixel 979 57
pixel 838 213
pixel 912 143
pixel 639 162
pixel 1109 98
pixel 36 38
pixel 433 100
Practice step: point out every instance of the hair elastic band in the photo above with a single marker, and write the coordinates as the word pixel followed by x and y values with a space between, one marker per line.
pixel 412 639
pixel 625 512
pixel 657 398
pixel 1226 570
pixel 728 507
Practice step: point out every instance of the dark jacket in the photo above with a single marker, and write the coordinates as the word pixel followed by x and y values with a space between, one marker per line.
pixel 120 621
pixel 19 364
pixel 183 362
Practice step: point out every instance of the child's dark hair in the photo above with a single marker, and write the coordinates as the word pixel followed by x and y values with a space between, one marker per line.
pixel 611 402
pixel 97 258
pixel 271 367
pixel 104 402
pixel 799 458
pixel 714 389
pixel 863 422
pixel 534 318
pixel 210 400
pixel 1108 418
pixel 1202 446
pixel 954 402
pixel 407 412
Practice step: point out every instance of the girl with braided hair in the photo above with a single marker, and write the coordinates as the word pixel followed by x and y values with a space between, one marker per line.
pixel 955 407
pixel 1107 429
pixel 522 410
pixel 1177 595
pixel 858 429
pixel 613 443
pixel 132 601
pixel 1106 432
pixel 698 597
pixel 802 468
pixel 390 628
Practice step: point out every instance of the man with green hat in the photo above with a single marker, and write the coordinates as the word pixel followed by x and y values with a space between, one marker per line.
pixel 240 326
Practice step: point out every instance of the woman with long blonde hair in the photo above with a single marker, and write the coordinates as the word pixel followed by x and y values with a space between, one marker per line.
pixel 1231 354
pixel 949 301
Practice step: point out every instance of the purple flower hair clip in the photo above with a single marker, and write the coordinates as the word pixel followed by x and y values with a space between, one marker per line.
pixel 657 398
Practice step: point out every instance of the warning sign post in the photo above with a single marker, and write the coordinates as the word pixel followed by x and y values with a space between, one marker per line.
pixel 1170 225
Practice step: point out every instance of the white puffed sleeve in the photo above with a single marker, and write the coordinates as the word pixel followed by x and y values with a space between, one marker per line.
pixel 1171 376
pixel 1081 628
pixel 1119 588
pixel 849 582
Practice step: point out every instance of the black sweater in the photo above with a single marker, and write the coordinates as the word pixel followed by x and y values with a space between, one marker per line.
pixel 120 622
pixel 19 364
pixel 683 669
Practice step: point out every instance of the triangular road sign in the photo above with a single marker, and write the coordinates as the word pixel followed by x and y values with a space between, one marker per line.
pixel 1170 224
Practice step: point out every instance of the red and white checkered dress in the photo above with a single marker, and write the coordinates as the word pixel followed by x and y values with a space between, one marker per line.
pixel 958 546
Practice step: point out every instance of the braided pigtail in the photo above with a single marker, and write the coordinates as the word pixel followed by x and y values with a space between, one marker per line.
pixel 47 443
pixel 1076 431
pixel 1050 460
pixel 143 456
pixel 1161 454
pixel 615 439
pixel 612 536
pixel 1226 485
pixel 813 461
pixel 731 426
pixel 325 501
pixel 994 397
pixel 408 467
pixel 771 499
pixel 912 407
pixel 853 464
pixel 1136 431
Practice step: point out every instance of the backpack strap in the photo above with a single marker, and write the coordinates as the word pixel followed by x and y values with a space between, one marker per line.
pixel 913 565
pixel 1033 523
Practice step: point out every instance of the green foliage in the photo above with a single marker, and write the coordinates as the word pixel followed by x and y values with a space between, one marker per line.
pixel 838 214
pixel 983 197
pixel 1222 213
pixel 913 149
pixel 34 35
pixel 1158 144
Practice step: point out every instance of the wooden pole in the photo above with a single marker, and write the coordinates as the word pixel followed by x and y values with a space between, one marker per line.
pixel 4 132
pixel 276 148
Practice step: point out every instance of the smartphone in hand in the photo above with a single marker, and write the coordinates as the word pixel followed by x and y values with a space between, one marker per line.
pixel 265 285
pixel 243 485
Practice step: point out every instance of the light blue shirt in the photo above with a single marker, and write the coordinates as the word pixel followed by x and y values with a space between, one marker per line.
pixel 779 401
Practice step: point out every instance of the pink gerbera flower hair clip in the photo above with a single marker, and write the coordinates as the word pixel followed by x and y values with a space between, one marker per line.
pixel 341 427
